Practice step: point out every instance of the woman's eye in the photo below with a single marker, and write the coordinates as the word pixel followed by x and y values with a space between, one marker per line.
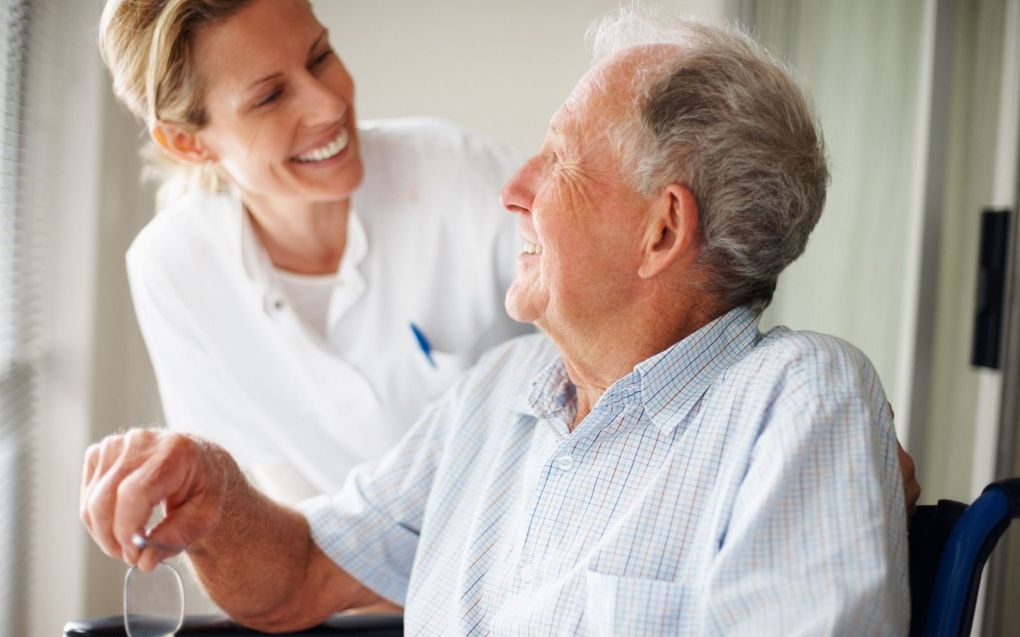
pixel 269 99
pixel 322 57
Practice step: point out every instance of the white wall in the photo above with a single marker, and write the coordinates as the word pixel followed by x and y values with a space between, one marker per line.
pixel 498 68
pixel 861 63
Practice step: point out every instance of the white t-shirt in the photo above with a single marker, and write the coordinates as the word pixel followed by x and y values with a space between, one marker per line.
pixel 299 404
pixel 309 296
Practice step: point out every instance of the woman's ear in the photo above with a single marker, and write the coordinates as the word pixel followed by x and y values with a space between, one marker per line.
pixel 180 143
pixel 672 234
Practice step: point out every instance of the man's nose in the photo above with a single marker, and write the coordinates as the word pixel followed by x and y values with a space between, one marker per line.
pixel 518 192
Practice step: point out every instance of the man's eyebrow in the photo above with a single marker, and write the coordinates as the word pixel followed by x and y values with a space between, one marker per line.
pixel 324 35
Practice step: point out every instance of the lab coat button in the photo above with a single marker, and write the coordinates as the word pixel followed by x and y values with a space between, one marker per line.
pixel 272 303
pixel 564 462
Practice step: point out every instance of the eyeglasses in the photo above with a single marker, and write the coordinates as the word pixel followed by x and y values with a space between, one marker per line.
pixel 153 601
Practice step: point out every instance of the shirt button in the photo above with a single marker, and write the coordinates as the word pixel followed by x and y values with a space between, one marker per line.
pixel 527 574
pixel 278 304
pixel 564 462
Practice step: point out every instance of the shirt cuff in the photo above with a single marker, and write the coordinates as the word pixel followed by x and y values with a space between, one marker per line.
pixel 370 546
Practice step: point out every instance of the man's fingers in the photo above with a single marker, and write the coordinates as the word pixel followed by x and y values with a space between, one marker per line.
pixel 100 505
pixel 138 494
pixel 172 474
pixel 123 479
pixel 135 498
pixel 99 492
pixel 87 472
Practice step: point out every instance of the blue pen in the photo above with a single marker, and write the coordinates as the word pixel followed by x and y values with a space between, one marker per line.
pixel 424 344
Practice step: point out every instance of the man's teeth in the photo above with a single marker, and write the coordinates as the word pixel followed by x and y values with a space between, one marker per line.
pixel 331 149
pixel 532 248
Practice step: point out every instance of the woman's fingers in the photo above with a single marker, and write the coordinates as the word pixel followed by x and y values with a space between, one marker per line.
pixel 911 487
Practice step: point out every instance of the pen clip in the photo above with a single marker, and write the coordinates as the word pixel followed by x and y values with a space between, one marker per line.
pixel 423 344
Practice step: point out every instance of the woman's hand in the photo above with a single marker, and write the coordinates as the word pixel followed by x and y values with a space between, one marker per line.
pixel 911 487
pixel 126 476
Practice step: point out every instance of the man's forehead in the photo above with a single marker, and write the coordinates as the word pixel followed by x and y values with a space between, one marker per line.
pixel 614 74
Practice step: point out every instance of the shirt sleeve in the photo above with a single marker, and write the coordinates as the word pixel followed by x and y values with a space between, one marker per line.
pixel 816 541
pixel 371 527
pixel 197 397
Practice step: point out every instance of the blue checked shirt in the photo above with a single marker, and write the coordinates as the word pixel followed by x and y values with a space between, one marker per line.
pixel 736 483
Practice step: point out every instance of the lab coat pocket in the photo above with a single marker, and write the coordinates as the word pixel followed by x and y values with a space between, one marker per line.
pixel 435 369
pixel 619 606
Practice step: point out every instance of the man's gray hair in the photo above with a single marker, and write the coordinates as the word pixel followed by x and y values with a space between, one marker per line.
pixel 722 116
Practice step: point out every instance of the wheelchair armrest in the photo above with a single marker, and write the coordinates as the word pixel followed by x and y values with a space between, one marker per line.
pixel 220 626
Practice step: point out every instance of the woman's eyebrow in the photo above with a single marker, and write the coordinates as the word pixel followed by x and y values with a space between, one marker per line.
pixel 324 35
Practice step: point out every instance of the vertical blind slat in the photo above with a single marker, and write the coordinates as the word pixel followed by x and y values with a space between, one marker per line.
pixel 17 403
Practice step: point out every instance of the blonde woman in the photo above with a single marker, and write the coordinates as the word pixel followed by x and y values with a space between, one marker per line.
pixel 310 281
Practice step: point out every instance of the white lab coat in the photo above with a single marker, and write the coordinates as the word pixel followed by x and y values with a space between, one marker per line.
pixel 427 244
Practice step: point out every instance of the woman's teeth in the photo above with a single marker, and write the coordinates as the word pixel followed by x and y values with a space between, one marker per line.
pixel 331 149
pixel 532 248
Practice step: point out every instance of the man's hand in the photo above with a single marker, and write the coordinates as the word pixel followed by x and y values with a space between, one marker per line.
pixel 911 488
pixel 255 558
pixel 126 476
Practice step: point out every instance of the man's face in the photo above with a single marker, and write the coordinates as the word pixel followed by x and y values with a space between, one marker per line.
pixel 580 220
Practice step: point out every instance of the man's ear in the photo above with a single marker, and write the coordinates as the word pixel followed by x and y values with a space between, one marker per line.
pixel 672 234
pixel 180 143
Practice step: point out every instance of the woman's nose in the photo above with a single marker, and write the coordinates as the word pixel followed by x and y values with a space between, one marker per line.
pixel 321 103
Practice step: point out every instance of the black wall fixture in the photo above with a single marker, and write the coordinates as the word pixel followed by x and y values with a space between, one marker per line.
pixel 991 288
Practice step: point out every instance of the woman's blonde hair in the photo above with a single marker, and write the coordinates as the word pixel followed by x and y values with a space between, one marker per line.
pixel 148 47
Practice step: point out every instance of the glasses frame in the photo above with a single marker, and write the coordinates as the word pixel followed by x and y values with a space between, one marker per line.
pixel 132 575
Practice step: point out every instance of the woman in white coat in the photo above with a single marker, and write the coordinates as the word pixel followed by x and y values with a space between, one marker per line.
pixel 309 283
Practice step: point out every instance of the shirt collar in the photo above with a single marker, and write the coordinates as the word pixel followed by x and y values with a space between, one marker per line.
pixel 668 384
pixel 673 380
pixel 257 263
pixel 551 391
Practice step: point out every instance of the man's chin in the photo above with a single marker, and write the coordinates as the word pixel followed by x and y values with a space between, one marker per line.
pixel 520 307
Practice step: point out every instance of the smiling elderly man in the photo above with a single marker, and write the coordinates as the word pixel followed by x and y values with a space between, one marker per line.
pixel 654 464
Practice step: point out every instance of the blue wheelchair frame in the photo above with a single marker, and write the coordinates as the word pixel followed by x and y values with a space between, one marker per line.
pixel 973 536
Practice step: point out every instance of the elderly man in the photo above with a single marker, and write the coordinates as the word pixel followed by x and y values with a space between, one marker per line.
pixel 653 464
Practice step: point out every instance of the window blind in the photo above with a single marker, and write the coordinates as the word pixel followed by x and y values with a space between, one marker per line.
pixel 17 363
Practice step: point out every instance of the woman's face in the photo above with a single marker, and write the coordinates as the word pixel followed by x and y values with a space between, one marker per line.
pixel 279 105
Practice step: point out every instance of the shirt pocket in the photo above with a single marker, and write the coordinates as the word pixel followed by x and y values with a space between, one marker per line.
pixel 617 606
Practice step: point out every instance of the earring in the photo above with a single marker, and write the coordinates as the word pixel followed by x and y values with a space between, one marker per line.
pixel 160 137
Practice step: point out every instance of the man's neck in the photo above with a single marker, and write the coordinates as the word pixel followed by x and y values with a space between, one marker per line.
pixel 611 350
pixel 302 238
